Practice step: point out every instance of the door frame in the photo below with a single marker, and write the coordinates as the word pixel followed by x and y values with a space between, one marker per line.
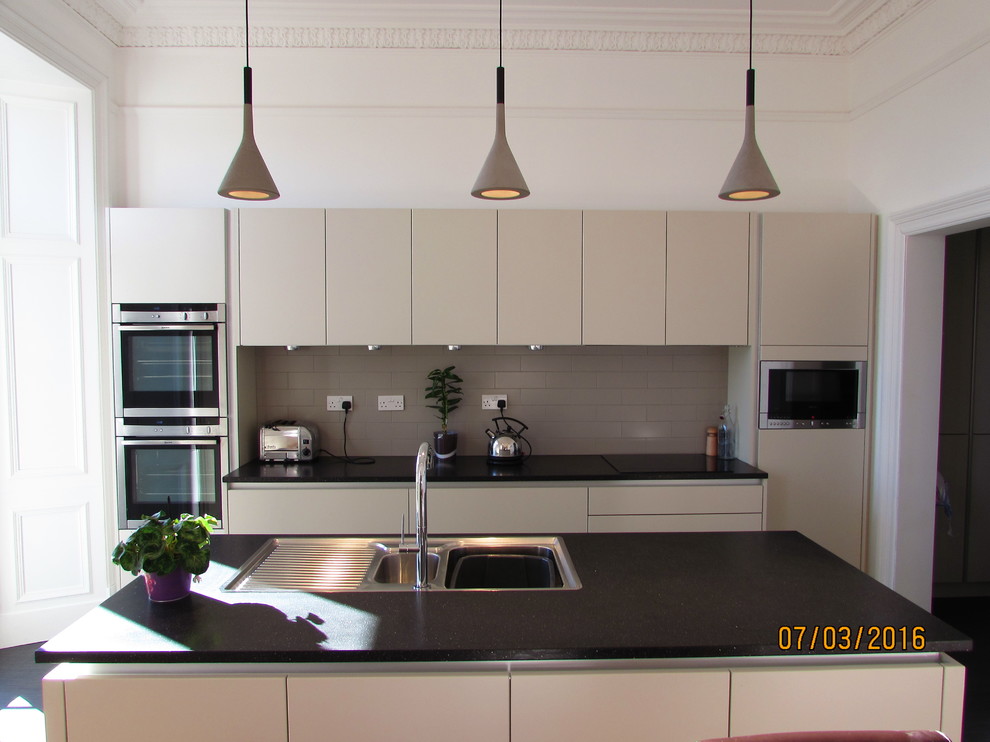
pixel 907 380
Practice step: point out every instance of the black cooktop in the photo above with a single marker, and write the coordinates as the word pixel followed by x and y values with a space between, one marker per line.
pixel 679 463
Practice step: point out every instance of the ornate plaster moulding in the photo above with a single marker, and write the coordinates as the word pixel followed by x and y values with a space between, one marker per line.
pixel 602 39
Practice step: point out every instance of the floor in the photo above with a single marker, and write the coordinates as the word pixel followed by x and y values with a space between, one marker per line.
pixel 972 616
pixel 21 719
pixel 20 676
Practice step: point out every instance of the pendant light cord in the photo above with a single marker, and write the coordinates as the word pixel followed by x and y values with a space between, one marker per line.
pixel 247 36
pixel 750 34
pixel 500 32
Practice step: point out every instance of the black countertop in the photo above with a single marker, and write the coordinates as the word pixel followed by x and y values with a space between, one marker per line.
pixel 612 467
pixel 669 595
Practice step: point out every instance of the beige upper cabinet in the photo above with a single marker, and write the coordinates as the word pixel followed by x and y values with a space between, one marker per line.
pixel 282 277
pixel 539 277
pixel 368 293
pixel 454 277
pixel 707 278
pixel 817 277
pixel 624 267
pixel 168 255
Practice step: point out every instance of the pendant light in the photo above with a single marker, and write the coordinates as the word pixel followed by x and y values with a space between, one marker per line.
pixel 247 178
pixel 500 178
pixel 750 178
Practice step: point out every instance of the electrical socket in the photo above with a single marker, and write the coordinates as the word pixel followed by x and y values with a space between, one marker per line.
pixel 337 403
pixel 388 402
pixel 490 401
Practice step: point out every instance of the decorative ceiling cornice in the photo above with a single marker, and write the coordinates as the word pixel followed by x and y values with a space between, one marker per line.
pixel 359 37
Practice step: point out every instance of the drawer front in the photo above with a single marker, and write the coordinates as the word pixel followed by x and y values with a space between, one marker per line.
pixel 493 510
pixel 675 499
pixel 317 511
pixel 673 523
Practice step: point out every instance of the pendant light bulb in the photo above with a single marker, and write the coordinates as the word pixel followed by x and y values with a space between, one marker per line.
pixel 248 178
pixel 749 178
pixel 500 178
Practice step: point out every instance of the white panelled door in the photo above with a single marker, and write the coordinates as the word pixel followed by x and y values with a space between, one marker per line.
pixel 53 544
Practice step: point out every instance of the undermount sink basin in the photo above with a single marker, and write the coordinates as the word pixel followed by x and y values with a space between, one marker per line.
pixel 320 565
pixel 399 567
pixel 501 568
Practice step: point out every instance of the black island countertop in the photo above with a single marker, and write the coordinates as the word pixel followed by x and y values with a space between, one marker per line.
pixel 663 595
pixel 540 468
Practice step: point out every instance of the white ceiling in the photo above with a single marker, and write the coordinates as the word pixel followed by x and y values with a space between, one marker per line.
pixel 831 26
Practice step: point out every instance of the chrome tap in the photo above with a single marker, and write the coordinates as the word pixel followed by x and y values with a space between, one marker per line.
pixel 424 460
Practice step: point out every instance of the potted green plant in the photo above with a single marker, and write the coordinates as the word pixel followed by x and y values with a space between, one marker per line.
pixel 445 393
pixel 168 551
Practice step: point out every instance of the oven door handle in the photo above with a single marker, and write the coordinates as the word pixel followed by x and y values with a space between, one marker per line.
pixel 156 328
pixel 192 441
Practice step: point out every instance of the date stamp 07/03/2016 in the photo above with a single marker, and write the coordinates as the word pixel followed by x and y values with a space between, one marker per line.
pixel 851 638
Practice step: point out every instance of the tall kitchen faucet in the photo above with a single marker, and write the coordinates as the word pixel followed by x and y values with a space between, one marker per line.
pixel 424 460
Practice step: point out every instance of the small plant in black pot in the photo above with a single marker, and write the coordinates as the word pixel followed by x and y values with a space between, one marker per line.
pixel 446 396
pixel 168 552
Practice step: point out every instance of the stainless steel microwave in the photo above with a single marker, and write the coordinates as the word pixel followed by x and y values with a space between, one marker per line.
pixel 812 394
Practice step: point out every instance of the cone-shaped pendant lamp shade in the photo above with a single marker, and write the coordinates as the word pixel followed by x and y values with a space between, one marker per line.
pixel 750 178
pixel 247 177
pixel 500 178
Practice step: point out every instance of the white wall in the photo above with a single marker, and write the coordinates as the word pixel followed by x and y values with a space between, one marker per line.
pixel 920 107
pixel 410 128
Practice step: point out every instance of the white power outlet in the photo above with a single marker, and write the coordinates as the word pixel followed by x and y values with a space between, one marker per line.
pixel 388 402
pixel 490 401
pixel 337 403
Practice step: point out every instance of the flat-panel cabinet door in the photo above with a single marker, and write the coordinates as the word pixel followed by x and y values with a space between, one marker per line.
pixel 707 278
pixel 418 707
pixel 168 255
pixel 817 274
pixel 767 700
pixel 251 708
pixel 282 277
pixel 624 267
pixel 539 277
pixel 454 277
pixel 630 705
pixel 488 510
pixel 369 255
pixel 816 486
pixel 316 510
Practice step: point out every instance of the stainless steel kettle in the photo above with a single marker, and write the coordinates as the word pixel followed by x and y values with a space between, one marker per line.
pixel 505 444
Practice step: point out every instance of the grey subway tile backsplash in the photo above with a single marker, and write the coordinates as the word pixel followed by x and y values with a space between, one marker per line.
pixel 575 400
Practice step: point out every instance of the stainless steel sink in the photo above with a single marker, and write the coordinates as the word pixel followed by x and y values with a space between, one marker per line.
pixel 321 565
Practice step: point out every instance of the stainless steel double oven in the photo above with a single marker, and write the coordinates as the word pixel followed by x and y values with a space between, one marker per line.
pixel 170 379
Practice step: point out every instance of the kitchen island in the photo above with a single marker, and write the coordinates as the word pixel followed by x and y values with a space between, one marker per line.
pixel 664 630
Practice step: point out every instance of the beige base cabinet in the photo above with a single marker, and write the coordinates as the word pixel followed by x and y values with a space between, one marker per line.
pixel 123 708
pixel 422 707
pixel 842 698
pixel 168 255
pixel 676 507
pixel 497 510
pixel 636 706
pixel 282 258
pixel 317 510
pixel 810 492
pixel 697 699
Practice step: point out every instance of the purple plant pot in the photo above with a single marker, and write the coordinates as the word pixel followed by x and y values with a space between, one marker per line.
pixel 444 444
pixel 166 588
